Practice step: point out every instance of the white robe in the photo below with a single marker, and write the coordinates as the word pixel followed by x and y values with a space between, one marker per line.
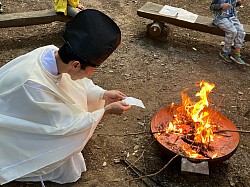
pixel 45 120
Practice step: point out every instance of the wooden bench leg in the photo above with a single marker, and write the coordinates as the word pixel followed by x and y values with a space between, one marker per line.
pixel 155 29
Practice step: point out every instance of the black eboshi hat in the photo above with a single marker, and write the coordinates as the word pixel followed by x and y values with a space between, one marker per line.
pixel 93 36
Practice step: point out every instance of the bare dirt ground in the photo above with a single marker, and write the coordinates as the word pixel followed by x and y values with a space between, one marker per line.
pixel 155 71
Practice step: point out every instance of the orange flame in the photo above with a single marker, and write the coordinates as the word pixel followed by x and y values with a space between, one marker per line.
pixel 194 112
pixel 203 130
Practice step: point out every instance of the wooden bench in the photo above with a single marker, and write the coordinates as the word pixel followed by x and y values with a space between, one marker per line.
pixel 31 18
pixel 203 24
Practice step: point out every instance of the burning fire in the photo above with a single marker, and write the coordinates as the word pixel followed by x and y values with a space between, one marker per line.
pixel 193 123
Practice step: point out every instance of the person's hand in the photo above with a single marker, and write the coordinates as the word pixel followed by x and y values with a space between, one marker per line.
pixel 80 7
pixel 117 108
pixel 225 6
pixel 113 95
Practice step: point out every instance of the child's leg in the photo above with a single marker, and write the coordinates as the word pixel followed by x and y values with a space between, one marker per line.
pixel 230 33
pixel 71 11
pixel 239 39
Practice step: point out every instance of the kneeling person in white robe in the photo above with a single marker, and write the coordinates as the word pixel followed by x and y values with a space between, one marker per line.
pixel 50 109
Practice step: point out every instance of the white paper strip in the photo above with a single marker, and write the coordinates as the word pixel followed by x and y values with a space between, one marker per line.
pixel 179 13
pixel 133 101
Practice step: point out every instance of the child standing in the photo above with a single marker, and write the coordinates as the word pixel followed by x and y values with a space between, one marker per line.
pixel 225 17
pixel 68 7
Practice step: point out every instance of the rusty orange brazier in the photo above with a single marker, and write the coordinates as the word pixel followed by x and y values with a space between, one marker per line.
pixel 195 131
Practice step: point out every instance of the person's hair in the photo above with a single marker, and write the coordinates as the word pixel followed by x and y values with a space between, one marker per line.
pixel 67 54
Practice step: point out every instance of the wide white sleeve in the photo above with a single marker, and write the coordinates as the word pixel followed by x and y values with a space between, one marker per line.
pixel 94 95
pixel 38 109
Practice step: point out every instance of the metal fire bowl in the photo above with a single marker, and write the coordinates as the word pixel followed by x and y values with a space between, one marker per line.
pixel 170 143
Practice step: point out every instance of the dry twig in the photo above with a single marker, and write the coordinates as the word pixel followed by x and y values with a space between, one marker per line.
pixel 128 134
pixel 247 112
pixel 138 172
pixel 219 104
pixel 153 174
pixel 241 131
pixel 142 152
pixel 217 107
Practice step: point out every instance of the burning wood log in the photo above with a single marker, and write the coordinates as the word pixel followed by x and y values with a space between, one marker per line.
pixel 200 149
pixel 190 142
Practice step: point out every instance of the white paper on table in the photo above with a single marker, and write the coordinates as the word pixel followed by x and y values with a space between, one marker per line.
pixel 179 13
pixel 187 16
pixel 133 101
pixel 169 11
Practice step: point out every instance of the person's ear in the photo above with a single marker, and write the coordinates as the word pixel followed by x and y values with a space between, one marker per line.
pixel 76 64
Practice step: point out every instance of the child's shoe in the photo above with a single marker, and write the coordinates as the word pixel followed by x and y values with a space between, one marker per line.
pixel 225 56
pixel 237 58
